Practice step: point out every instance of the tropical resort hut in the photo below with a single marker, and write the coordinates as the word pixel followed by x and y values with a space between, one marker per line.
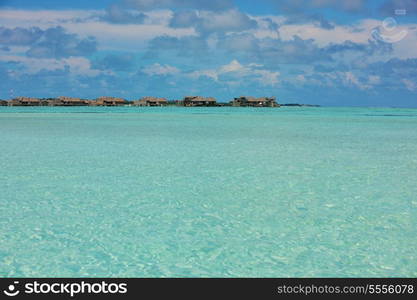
pixel 198 101
pixel 3 102
pixel 150 101
pixel 24 101
pixel 68 101
pixel 255 102
pixel 109 101
pixel 54 102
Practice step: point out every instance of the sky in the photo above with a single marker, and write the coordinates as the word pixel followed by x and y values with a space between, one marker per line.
pixel 326 52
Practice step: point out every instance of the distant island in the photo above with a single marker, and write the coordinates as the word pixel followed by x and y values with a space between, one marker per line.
pixel 187 101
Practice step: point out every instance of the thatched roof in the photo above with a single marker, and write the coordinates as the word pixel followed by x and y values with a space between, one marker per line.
pixel 253 99
pixel 111 99
pixel 199 99
pixel 70 99
pixel 26 99
pixel 151 99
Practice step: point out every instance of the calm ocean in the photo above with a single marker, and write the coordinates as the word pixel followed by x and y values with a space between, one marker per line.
pixel 216 192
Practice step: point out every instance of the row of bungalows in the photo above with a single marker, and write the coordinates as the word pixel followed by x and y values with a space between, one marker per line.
pixel 25 101
pixel 60 101
pixel 66 101
pixel 188 101
pixel 255 102
pixel 150 101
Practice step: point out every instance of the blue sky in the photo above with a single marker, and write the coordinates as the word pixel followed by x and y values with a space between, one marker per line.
pixel 328 52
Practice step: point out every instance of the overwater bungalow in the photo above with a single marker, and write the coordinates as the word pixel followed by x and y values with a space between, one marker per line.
pixel 24 101
pixel 198 101
pixel 109 101
pixel 150 101
pixel 68 101
pixel 255 102
pixel 3 103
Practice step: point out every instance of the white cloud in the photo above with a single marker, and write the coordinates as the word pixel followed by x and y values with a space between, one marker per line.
pixel 234 73
pixel 204 73
pixel 346 79
pixel 42 18
pixel 233 66
pixel 158 69
pixel 226 21
pixel 134 37
pixel 410 85
pixel 75 65
pixel 359 32
pixel 350 79
pixel 110 36
pixel 125 37
pixel 373 79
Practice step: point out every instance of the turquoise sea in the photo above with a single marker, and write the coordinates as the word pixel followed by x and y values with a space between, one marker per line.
pixel 208 192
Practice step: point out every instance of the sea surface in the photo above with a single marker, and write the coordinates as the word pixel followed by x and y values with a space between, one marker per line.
pixel 208 192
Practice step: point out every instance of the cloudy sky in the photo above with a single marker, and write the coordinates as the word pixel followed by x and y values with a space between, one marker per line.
pixel 328 52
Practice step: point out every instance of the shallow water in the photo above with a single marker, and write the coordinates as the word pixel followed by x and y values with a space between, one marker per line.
pixel 221 192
